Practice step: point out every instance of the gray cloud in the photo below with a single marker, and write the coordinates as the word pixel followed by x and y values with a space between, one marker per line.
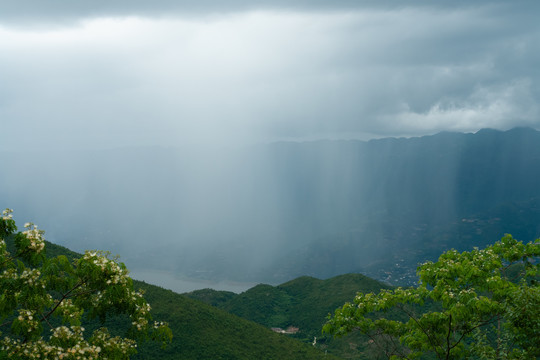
pixel 140 73
pixel 65 10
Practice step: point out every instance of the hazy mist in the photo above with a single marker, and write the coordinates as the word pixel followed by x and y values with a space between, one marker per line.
pixel 273 212
pixel 229 140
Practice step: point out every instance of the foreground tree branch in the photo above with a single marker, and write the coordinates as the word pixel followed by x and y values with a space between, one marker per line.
pixel 36 289
pixel 460 295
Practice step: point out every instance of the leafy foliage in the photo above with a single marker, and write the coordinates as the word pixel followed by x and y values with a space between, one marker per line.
pixel 481 309
pixel 56 294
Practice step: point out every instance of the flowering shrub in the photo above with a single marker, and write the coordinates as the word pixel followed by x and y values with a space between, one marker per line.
pixel 481 304
pixel 37 292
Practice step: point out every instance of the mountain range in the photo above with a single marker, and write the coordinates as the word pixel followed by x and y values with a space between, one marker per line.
pixel 272 212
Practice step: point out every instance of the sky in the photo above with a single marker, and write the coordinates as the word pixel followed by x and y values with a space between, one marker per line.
pixel 107 74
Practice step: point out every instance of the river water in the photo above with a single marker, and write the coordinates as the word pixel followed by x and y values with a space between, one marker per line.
pixel 182 284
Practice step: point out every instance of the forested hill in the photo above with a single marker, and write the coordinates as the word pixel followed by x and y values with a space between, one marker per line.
pixel 237 326
pixel 302 304
pixel 201 331
pixel 272 212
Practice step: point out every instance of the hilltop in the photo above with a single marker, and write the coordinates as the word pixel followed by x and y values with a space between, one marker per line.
pixel 303 304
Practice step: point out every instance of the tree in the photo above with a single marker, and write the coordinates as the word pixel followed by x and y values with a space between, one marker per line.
pixel 44 302
pixel 482 304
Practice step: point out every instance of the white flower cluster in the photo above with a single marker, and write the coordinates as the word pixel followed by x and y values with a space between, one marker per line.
pixel 81 350
pixel 67 333
pixel 37 242
pixel 96 298
pixel 9 274
pixel 31 277
pixel 28 320
pixel 3 249
pixel 111 270
pixel 141 313
pixel 7 214
pixel 105 341
pixel 140 323
pixel 159 324
pixel 467 292
pixel 68 310
pixel 42 350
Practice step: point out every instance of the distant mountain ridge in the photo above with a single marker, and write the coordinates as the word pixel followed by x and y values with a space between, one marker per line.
pixel 408 196
pixel 269 213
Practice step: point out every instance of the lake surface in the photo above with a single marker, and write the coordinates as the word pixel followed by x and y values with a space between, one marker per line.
pixel 181 284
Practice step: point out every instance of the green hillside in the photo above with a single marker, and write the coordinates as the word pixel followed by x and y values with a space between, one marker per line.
pixel 205 332
pixel 202 331
pixel 304 303
pixel 211 324
pixel 211 296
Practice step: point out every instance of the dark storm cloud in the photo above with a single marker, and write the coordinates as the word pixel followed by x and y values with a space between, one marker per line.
pixel 101 74
pixel 65 10
pixel 61 10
